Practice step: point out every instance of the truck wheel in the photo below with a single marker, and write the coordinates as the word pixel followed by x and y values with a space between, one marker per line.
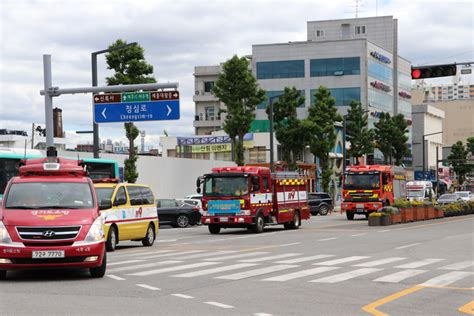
pixel 3 274
pixel 257 228
pixel 323 210
pixel 99 271
pixel 296 223
pixel 111 243
pixel 350 215
pixel 214 229
pixel 149 237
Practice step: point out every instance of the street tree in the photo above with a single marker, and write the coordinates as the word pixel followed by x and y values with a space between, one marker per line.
pixel 289 131
pixel 322 133
pixel 238 89
pixel 470 145
pixel 400 138
pixel 384 130
pixel 130 67
pixel 458 159
pixel 358 133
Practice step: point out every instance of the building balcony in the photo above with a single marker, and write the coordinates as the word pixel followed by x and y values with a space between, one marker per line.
pixel 201 96
pixel 208 122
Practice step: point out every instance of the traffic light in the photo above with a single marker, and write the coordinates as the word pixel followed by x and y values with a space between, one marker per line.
pixel 433 71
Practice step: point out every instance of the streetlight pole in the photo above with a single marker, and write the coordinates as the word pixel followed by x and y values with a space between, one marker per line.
pixel 423 150
pixel 95 126
pixel 271 133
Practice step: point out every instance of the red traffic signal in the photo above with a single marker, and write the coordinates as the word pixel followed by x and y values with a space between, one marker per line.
pixel 433 71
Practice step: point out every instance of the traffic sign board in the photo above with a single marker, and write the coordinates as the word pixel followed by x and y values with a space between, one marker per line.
pixel 135 96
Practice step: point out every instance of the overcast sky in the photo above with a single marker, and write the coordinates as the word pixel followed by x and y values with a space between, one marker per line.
pixel 178 35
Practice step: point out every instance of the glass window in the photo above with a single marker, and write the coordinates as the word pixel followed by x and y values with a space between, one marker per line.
pixel 361 181
pixel 8 169
pixel 104 193
pixel 265 183
pixel 274 95
pixel 166 203
pixel 135 195
pixel 380 100
pixel 360 29
pixel 280 69
pixel 380 72
pixel 121 195
pixel 226 186
pixel 208 85
pixel 343 96
pixel 147 195
pixel 334 66
pixel 319 33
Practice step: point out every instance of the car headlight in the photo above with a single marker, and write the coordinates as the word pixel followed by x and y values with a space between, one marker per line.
pixel 96 232
pixel 4 236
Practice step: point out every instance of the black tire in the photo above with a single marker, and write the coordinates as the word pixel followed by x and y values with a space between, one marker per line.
pixel 257 228
pixel 112 237
pixel 214 229
pixel 296 223
pixel 366 215
pixel 150 236
pixel 350 215
pixel 3 274
pixel 182 221
pixel 99 271
pixel 323 210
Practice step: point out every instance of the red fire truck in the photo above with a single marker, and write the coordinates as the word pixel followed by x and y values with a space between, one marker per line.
pixel 368 188
pixel 49 218
pixel 252 197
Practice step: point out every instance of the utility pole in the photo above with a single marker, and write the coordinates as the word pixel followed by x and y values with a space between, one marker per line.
pixel 48 100
pixel 33 136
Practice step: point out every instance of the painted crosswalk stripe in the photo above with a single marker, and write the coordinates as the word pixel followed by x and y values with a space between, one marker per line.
pixel 215 270
pixel 300 274
pixel 378 262
pixel 408 246
pixel 115 277
pixel 149 287
pixel 327 239
pixel 219 304
pixel 399 276
pixel 458 266
pixel 123 262
pixel 243 255
pixel 298 260
pixel 201 255
pixel 177 268
pixel 118 254
pixel 286 255
pixel 142 266
pixel 447 279
pixel 417 264
pixel 347 275
pixel 182 295
pixel 251 273
pixel 171 254
pixel 342 260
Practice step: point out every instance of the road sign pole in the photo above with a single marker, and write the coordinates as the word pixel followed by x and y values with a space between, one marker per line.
pixel 48 101
pixel 95 126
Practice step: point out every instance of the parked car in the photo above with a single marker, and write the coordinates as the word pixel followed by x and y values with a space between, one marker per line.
pixel 193 202
pixel 177 213
pixel 465 195
pixel 194 197
pixel 320 203
pixel 449 198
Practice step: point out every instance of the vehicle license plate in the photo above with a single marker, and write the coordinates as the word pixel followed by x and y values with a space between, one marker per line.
pixel 224 219
pixel 48 254
pixel 359 205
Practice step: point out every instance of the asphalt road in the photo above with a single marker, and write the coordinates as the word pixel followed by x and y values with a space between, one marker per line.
pixel 330 266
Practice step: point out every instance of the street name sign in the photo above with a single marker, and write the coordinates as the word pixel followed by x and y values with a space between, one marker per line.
pixel 136 106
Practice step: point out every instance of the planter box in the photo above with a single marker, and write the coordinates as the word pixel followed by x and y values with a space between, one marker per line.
pixel 439 213
pixel 385 220
pixel 406 214
pixel 374 220
pixel 418 213
pixel 396 218
pixel 429 212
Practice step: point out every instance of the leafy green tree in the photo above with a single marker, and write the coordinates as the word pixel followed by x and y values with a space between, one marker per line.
pixel 458 159
pixel 322 137
pixel 238 89
pixel 130 67
pixel 358 132
pixel 289 131
pixel 400 138
pixel 384 130
pixel 470 145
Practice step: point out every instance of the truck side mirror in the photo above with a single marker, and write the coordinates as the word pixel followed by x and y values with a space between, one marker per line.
pixel 198 190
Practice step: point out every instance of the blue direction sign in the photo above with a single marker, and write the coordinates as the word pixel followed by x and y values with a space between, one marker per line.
pixel 111 108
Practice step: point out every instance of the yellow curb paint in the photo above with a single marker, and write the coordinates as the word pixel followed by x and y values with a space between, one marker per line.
pixel 371 308
pixel 468 308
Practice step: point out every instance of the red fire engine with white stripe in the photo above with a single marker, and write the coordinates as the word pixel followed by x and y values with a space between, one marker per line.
pixel 252 198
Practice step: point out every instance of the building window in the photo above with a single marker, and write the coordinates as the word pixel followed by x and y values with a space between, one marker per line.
pixel 360 29
pixel 208 85
pixel 319 33
pixel 270 94
pixel 210 112
pixel 379 71
pixel 343 96
pixel 334 66
pixel 280 69
pixel 380 100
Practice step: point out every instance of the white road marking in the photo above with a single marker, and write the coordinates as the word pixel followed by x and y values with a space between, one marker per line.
pixel 408 246
pixel 123 262
pixel 149 287
pixel 137 253
pixel 326 239
pixel 347 275
pixel 115 277
pixel 399 276
pixel 447 278
pixel 378 262
pixel 338 261
pixel 251 273
pixel 417 264
pixel 201 255
pixel 458 266
pixel 219 304
pixel 384 231
pixel 286 255
pixel 300 274
pixel 172 254
pixel 142 266
pixel 359 235
pixel 182 296
pixel 171 269
pixel 166 240
pixel 243 255
pixel 292 244
pixel 262 314
pixel 298 260
pixel 215 270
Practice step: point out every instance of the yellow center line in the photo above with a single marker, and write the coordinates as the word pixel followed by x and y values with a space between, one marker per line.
pixel 371 308
pixel 468 308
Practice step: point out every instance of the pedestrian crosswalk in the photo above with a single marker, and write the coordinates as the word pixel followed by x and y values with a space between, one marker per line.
pixel 270 267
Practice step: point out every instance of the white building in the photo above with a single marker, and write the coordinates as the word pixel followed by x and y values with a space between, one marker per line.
pixel 21 139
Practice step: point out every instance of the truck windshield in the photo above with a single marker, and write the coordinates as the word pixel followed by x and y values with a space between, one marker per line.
pixel 226 186
pixel 416 193
pixel 48 195
pixel 362 181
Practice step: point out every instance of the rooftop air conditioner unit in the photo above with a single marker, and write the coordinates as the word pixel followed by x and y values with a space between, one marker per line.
pixel 197 92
